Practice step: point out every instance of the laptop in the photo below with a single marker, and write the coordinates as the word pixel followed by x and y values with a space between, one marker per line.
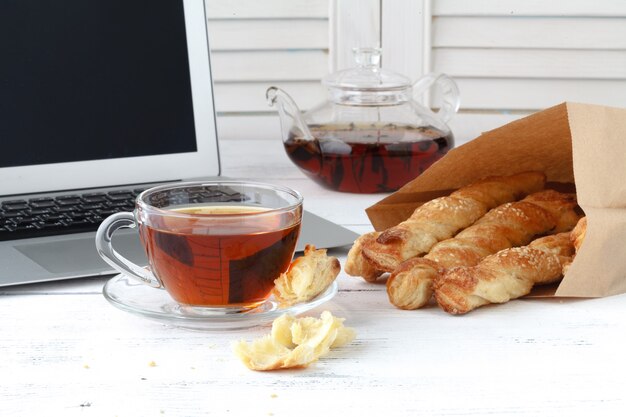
pixel 99 100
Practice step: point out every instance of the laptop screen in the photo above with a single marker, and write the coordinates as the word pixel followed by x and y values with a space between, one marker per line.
pixel 79 89
pixel 104 80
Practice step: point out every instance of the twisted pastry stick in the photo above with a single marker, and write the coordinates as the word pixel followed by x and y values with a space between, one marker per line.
pixel 578 233
pixel 512 224
pixel 577 236
pixel 441 218
pixel 356 265
pixel 509 274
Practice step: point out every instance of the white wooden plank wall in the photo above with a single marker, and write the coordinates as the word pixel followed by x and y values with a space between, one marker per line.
pixel 509 57
pixel 513 56
pixel 256 44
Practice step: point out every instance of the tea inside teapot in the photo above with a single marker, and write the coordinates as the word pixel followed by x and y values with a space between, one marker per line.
pixel 366 157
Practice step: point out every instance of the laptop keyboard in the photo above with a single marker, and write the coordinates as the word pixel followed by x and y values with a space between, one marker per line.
pixel 65 214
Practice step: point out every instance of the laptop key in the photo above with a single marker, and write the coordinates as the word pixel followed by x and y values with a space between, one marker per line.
pixel 68 197
pixel 82 223
pixel 6 223
pixel 42 204
pixel 26 227
pixel 67 209
pixel 121 197
pixel 11 202
pixel 95 218
pixel 95 198
pixel 26 220
pixel 54 217
pixel 11 214
pixel 69 202
pixel 40 200
pixel 38 212
pixel 88 207
pixel 51 225
pixel 14 206
pixel 78 215
pixel 118 204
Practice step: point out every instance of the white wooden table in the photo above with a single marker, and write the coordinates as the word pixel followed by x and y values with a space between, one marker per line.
pixel 65 351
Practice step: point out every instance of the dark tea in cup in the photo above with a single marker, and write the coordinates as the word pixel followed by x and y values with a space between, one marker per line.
pixel 233 266
pixel 217 245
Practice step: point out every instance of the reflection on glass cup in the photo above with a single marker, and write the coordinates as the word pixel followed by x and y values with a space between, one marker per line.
pixel 214 244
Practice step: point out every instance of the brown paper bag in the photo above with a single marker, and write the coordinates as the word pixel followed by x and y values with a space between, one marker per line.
pixel 573 144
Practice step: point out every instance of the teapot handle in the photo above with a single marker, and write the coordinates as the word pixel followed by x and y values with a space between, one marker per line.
pixel 450 92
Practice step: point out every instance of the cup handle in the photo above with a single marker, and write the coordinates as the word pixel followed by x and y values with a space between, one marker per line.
pixel 450 93
pixel 105 249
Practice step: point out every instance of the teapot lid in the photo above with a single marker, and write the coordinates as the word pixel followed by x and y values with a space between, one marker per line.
pixel 367 75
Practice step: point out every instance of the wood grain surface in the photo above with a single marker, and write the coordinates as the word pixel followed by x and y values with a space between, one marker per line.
pixel 65 351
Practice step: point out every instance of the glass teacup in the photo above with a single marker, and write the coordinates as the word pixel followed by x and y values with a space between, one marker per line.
pixel 218 244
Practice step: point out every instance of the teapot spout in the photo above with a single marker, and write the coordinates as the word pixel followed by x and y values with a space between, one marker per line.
pixel 291 121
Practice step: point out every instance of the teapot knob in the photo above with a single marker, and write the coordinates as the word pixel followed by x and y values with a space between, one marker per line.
pixel 367 57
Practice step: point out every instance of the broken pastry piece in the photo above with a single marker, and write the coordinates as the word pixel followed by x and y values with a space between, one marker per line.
pixel 509 274
pixel 294 342
pixel 307 277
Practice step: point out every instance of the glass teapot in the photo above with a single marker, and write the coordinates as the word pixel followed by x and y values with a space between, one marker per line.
pixel 372 135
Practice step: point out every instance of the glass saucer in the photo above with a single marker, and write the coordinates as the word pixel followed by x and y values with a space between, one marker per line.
pixel 134 297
